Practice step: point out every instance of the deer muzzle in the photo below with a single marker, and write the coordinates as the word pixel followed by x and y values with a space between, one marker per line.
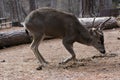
pixel 103 51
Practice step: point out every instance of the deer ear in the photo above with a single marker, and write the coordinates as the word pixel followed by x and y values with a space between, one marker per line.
pixel 93 31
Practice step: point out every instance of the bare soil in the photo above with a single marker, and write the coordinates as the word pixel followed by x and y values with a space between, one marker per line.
pixel 19 63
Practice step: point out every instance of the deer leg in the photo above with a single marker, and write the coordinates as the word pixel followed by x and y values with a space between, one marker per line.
pixel 68 44
pixel 34 47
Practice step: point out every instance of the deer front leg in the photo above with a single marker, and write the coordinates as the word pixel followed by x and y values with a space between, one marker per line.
pixel 34 47
pixel 68 44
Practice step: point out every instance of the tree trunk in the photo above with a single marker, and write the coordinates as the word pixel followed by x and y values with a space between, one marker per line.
pixel 92 8
pixel 87 8
pixel 16 10
pixel 1 8
pixel 32 5
pixel 71 6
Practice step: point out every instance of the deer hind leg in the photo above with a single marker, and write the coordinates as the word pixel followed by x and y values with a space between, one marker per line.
pixel 34 46
pixel 68 44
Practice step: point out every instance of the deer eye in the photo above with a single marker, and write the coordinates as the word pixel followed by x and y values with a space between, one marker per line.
pixel 99 42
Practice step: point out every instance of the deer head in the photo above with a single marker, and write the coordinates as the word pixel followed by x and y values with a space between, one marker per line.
pixel 98 36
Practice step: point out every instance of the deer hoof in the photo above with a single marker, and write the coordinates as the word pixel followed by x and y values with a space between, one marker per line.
pixel 68 60
pixel 42 65
pixel 39 68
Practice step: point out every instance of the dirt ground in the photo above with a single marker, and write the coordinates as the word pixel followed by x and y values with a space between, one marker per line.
pixel 19 63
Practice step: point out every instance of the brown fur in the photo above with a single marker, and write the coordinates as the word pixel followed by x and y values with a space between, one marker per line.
pixel 51 22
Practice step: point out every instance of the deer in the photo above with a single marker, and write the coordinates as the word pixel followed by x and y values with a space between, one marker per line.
pixel 51 22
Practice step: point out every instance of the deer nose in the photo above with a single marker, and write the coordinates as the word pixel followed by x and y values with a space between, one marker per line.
pixel 103 51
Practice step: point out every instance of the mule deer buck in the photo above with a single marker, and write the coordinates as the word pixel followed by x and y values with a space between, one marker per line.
pixel 50 22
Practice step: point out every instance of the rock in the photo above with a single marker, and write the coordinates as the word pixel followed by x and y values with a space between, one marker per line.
pixel 3 61
pixel 39 68
pixel 118 38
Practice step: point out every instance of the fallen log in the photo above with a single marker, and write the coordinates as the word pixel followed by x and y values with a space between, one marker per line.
pixel 13 38
pixel 17 37
pixel 87 22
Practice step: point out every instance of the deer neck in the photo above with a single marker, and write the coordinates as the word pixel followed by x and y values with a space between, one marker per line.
pixel 85 39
